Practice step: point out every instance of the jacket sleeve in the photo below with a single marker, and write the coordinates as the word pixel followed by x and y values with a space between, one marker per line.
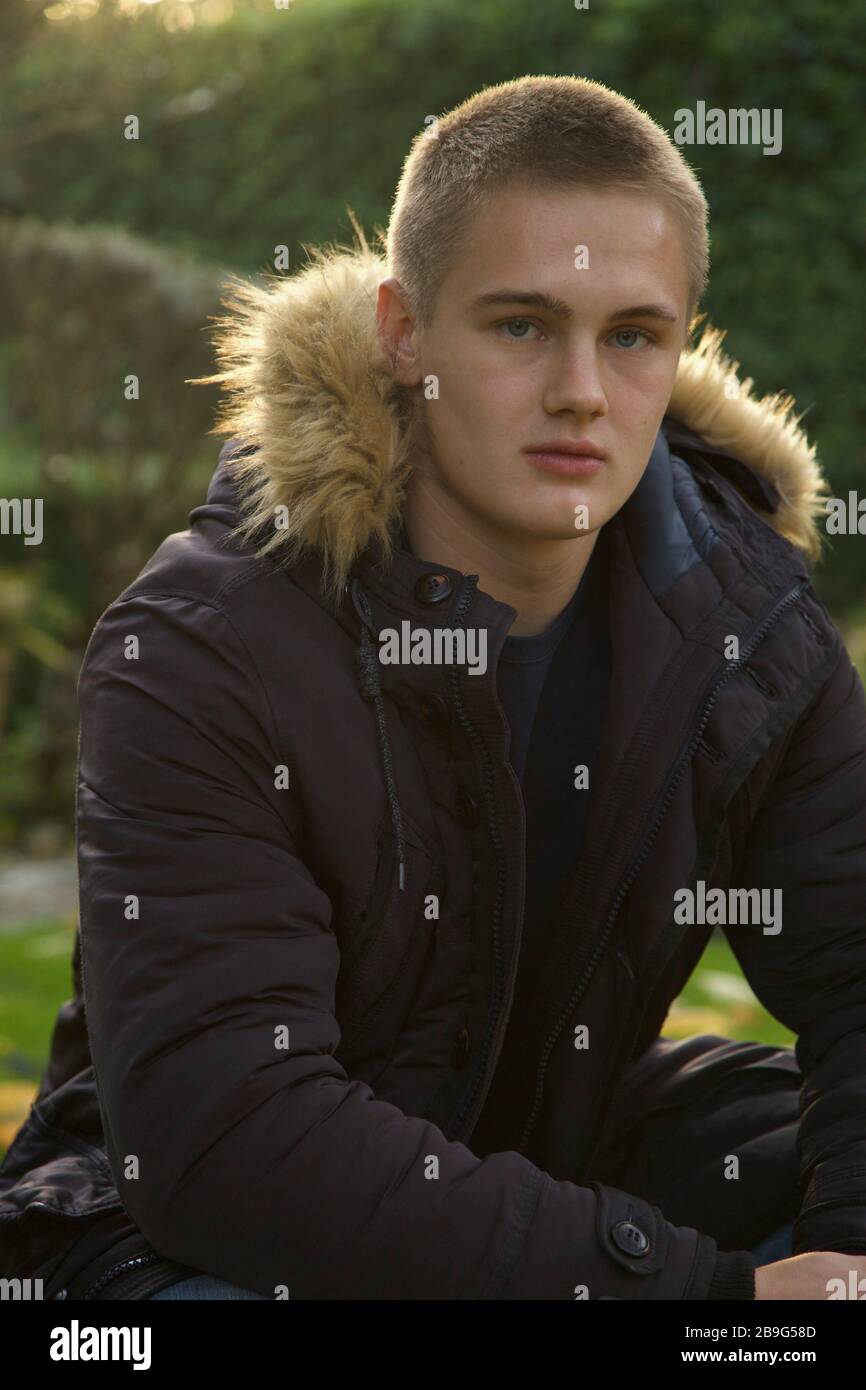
pixel 808 840
pixel 239 1144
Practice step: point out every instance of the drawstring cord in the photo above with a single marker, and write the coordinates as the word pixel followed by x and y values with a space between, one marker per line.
pixel 368 680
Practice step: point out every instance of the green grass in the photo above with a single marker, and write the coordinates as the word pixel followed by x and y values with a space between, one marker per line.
pixel 36 975
pixel 35 979
pixel 718 1000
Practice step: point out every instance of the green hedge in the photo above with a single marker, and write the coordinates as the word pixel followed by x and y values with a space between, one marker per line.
pixel 83 309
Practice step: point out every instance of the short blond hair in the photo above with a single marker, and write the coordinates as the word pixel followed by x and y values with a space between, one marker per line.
pixel 560 132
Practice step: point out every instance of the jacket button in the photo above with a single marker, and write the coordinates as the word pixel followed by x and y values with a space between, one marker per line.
pixel 629 1238
pixel 432 588
pixel 434 710
pixel 460 1048
pixel 466 806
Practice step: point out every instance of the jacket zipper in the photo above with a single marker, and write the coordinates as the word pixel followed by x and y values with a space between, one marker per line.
pixel 136 1262
pixel 499 892
pixel 625 884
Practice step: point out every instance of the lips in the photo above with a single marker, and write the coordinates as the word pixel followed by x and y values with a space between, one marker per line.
pixel 578 448
pixel 570 458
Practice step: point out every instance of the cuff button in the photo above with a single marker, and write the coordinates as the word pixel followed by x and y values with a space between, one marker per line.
pixel 629 1238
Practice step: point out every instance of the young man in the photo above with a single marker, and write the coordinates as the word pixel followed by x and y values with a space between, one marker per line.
pixel 413 775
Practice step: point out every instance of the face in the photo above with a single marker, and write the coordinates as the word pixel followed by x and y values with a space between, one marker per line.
pixel 536 342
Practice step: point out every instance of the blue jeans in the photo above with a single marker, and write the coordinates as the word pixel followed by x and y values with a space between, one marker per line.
pixel 775 1247
pixel 206 1286
pixel 778 1246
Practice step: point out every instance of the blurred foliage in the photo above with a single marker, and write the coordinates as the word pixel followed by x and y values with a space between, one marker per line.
pixel 82 310
pixel 259 126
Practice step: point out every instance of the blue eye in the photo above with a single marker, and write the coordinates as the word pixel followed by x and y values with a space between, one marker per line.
pixel 520 337
pixel 633 333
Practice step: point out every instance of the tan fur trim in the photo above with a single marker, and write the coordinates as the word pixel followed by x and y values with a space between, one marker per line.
pixel 709 398
pixel 305 381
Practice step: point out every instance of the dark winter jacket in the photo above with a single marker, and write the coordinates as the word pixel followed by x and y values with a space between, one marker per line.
pixel 302 870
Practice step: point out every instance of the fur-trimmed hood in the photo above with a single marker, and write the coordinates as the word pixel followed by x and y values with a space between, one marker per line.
pixel 309 397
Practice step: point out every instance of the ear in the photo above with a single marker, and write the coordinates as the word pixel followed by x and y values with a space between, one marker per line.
pixel 397 331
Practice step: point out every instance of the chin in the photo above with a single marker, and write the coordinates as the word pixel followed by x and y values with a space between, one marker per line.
pixel 547 527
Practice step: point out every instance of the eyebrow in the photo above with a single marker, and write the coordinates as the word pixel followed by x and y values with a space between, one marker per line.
pixel 539 300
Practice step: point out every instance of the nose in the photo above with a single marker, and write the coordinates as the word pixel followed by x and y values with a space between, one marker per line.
pixel 575 382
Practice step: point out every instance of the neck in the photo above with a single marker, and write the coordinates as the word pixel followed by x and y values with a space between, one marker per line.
pixel 535 575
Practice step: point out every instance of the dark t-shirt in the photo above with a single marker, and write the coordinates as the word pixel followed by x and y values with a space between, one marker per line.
pixel 554 689
pixel 520 676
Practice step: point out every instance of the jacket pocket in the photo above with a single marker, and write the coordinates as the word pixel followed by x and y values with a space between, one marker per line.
pixel 381 964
